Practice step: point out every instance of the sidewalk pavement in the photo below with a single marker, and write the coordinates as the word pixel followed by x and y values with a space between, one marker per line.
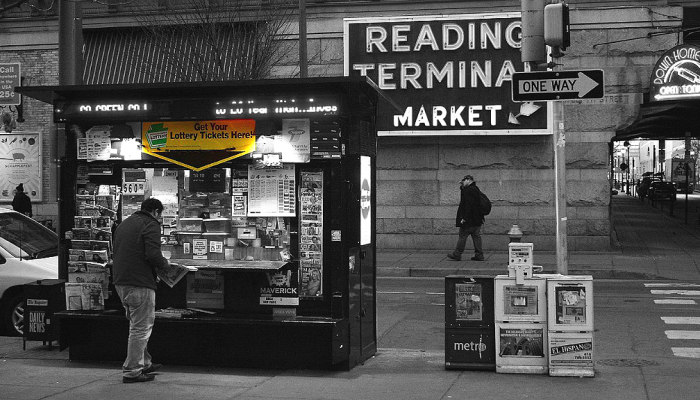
pixel 648 244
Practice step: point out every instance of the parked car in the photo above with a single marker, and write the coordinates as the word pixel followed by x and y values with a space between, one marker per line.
pixel 662 190
pixel 28 252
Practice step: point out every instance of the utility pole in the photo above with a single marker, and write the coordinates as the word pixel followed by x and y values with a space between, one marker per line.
pixel 303 63
pixel 70 43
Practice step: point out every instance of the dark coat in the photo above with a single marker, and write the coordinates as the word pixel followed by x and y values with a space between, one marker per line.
pixel 137 253
pixel 22 203
pixel 468 207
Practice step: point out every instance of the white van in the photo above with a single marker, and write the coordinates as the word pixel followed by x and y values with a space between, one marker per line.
pixel 28 252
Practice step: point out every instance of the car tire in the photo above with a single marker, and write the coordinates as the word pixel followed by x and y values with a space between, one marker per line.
pixel 13 316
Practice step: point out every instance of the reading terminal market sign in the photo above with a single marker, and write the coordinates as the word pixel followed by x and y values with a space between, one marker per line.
pixel 676 75
pixel 449 75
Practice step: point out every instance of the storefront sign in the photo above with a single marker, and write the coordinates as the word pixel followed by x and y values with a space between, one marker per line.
pixel 20 162
pixel 450 75
pixel 281 289
pixel 199 144
pixel 676 75
pixel 257 107
pixel 10 77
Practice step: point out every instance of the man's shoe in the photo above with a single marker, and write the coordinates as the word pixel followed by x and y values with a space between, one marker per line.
pixel 475 258
pixel 453 257
pixel 140 378
pixel 151 368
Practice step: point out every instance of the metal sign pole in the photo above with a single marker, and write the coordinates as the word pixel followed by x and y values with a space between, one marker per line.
pixel 559 141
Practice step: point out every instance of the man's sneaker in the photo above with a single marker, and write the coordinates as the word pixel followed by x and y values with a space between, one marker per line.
pixel 475 258
pixel 151 368
pixel 453 257
pixel 140 378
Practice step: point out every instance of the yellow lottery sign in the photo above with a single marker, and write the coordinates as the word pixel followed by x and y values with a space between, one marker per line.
pixel 198 145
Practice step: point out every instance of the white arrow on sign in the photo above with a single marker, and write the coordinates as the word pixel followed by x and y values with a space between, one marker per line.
pixel 582 84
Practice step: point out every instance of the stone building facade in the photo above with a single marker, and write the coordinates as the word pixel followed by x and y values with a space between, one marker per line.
pixel 417 192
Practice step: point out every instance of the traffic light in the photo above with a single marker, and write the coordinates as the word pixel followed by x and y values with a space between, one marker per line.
pixel 532 17
pixel 556 25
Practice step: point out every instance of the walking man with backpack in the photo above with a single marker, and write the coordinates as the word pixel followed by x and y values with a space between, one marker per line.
pixel 469 220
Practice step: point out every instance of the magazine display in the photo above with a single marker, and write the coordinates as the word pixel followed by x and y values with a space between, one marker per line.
pixel 84 296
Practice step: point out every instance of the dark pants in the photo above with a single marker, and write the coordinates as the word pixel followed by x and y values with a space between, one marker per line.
pixel 464 232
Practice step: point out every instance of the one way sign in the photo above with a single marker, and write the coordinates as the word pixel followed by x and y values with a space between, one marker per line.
pixel 558 85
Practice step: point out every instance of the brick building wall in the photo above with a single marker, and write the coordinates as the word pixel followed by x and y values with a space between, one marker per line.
pixel 39 67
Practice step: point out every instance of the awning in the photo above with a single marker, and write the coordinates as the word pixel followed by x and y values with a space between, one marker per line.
pixel 664 120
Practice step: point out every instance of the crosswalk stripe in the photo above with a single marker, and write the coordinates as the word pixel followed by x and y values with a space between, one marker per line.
pixel 683 335
pixel 680 292
pixel 681 320
pixel 691 352
pixel 675 301
pixel 672 285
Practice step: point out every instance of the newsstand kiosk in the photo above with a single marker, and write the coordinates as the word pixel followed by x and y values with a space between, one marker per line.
pixel 268 189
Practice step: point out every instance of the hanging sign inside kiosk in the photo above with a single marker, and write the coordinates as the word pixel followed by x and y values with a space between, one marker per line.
pixel 676 75
pixel 198 145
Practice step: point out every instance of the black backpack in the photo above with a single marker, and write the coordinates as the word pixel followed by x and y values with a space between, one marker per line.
pixel 484 204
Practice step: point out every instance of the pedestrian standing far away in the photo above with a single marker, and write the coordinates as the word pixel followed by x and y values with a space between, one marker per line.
pixel 469 220
pixel 21 202
pixel 137 256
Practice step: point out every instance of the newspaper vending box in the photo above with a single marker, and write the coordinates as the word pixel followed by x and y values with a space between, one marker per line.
pixel 570 325
pixel 469 319
pixel 42 299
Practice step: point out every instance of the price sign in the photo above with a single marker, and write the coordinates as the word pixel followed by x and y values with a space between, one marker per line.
pixel 134 188
pixel 10 78
pixel 208 180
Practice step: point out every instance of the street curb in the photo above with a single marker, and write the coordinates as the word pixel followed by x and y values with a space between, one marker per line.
pixel 437 272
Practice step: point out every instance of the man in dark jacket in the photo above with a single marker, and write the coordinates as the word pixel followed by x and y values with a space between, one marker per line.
pixel 136 258
pixel 469 220
pixel 21 202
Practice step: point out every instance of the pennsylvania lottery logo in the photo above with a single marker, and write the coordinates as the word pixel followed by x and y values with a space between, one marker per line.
pixel 157 136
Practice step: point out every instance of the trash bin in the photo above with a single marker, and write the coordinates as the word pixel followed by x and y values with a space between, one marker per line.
pixel 469 323
pixel 41 300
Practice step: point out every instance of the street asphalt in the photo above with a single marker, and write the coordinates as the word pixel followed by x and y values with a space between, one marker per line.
pixel 648 244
